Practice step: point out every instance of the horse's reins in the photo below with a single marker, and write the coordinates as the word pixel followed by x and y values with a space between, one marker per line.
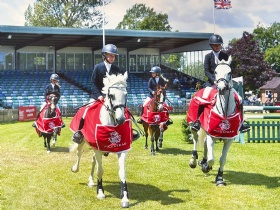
pixel 111 111
pixel 227 88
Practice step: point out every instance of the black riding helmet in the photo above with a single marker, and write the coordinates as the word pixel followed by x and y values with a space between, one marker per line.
pixel 109 48
pixel 156 70
pixel 215 39
pixel 54 77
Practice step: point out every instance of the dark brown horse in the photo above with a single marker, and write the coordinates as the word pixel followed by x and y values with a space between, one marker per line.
pixel 49 122
pixel 154 124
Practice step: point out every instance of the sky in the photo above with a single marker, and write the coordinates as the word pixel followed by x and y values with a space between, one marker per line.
pixel 183 15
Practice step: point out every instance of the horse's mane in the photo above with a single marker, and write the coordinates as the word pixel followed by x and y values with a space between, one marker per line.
pixel 113 79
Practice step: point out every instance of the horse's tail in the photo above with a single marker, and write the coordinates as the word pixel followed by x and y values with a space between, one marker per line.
pixel 201 137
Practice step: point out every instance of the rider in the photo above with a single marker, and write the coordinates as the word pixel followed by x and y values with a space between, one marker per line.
pixel 109 53
pixel 52 88
pixel 215 42
pixel 155 80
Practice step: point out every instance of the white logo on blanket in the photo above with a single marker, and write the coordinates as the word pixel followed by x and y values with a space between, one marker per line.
pixel 51 125
pixel 115 137
pixel 224 125
pixel 156 118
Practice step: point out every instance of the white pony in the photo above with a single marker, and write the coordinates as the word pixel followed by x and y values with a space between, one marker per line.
pixel 112 114
pixel 220 119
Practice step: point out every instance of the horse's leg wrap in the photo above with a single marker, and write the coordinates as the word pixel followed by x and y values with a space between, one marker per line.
pixel 124 195
pixel 194 154
pixel 123 189
pixel 99 185
pixel 81 125
pixel 219 179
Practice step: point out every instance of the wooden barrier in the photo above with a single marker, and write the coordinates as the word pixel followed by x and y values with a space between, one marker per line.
pixel 263 131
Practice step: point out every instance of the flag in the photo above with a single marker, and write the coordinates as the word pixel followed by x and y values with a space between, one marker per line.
pixel 222 4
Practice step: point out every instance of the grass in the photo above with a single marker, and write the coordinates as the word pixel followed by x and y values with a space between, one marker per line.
pixel 33 179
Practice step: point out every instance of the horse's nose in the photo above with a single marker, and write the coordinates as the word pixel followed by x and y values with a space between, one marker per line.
pixel 120 120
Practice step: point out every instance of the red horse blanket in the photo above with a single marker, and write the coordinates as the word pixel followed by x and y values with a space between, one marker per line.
pixel 214 123
pixel 155 118
pixel 47 125
pixel 104 138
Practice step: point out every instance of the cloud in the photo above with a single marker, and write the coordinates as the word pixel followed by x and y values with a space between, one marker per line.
pixel 183 15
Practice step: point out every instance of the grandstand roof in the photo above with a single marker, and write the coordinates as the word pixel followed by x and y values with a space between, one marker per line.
pixel 59 38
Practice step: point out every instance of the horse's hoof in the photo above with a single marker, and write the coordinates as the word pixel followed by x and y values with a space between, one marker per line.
pixel 193 162
pixel 48 151
pixel 90 183
pixel 220 183
pixel 153 153
pixel 100 194
pixel 146 147
pixel 74 169
pixel 160 144
pixel 206 168
pixel 125 204
pixel 125 201
pixel 202 161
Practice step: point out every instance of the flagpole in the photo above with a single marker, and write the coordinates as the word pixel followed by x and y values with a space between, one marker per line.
pixel 103 25
pixel 214 15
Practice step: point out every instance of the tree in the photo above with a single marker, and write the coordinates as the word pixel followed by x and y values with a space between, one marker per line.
pixel 140 17
pixel 248 61
pixel 64 13
pixel 268 39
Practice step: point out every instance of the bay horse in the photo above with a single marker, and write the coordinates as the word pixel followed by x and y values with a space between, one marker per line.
pixel 109 122
pixel 49 122
pixel 154 120
pixel 220 119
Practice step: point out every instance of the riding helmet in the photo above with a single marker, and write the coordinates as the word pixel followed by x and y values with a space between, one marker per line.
pixel 156 70
pixel 110 48
pixel 215 39
pixel 54 77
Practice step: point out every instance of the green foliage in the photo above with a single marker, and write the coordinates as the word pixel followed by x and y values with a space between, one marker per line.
pixel 248 61
pixel 61 13
pixel 141 17
pixel 33 179
pixel 269 39
pixel 172 60
pixel 186 131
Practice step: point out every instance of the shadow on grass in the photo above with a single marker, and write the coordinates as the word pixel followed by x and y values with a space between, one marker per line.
pixel 60 149
pixel 142 193
pixel 174 151
pixel 243 178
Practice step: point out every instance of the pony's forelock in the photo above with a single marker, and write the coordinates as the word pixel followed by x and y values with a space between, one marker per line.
pixel 113 79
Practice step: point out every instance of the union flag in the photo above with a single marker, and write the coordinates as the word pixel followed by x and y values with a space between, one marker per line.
pixel 222 4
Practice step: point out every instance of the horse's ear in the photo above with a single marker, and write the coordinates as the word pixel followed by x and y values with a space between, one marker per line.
pixel 125 75
pixel 229 59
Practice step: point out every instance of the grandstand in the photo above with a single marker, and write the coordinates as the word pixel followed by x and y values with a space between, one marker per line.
pixel 26 88
pixel 29 55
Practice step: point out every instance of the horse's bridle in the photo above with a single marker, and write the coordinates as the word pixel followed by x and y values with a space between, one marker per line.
pixel 227 88
pixel 114 107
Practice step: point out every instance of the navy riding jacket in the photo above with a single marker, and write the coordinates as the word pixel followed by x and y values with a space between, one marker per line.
pixel 210 65
pixel 52 90
pixel 99 72
pixel 152 85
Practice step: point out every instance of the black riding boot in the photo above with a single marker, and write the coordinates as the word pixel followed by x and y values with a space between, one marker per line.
pixel 78 136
